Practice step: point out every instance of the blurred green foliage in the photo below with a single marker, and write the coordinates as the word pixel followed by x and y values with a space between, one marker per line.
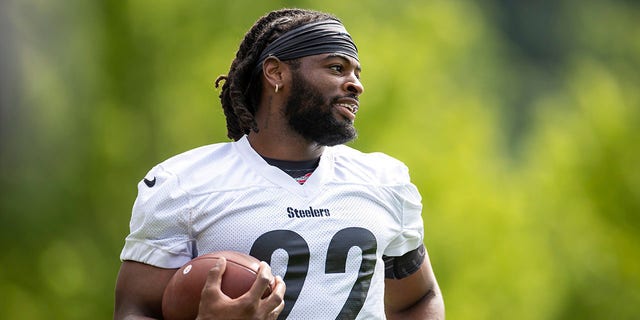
pixel 520 123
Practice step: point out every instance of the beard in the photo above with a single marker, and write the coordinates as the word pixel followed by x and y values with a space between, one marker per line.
pixel 311 115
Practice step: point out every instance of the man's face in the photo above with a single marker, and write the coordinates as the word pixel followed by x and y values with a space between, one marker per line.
pixel 322 110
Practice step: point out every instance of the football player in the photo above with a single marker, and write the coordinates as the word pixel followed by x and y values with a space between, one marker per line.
pixel 341 230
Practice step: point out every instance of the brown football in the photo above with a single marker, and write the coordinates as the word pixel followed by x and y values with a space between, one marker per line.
pixel 181 297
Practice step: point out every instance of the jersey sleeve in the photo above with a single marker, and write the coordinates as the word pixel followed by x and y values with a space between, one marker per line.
pixel 160 228
pixel 409 204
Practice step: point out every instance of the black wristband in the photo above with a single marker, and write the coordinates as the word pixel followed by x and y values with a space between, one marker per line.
pixel 405 265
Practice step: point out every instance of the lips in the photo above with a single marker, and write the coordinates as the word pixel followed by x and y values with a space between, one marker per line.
pixel 347 107
pixel 352 107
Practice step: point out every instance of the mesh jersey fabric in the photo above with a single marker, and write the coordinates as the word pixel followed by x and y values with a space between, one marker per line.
pixel 326 237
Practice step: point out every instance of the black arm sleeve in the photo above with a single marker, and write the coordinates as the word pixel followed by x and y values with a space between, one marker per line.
pixel 405 265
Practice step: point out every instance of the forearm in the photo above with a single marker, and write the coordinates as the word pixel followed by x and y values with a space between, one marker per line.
pixel 430 307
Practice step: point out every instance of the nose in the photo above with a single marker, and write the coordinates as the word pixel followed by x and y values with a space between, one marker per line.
pixel 354 85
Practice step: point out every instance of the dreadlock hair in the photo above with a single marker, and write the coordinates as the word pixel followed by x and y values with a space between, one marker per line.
pixel 242 86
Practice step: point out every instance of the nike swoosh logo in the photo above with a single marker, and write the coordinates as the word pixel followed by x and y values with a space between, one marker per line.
pixel 150 183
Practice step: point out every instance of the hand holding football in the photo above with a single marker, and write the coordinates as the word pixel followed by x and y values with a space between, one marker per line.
pixel 181 297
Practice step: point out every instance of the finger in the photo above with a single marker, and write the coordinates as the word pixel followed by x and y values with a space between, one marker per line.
pixel 276 299
pixel 214 277
pixel 279 309
pixel 280 287
pixel 212 290
pixel 264 278
pixel 276 312
pixel 278 291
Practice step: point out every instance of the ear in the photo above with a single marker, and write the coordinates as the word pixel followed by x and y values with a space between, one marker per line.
pixel 273 70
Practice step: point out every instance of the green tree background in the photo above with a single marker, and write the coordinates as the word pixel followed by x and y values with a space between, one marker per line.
pixel 520 122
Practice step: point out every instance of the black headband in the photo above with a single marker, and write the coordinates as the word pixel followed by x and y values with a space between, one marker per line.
pixel 328 36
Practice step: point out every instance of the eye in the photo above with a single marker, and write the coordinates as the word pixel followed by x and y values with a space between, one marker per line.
pixel 336 68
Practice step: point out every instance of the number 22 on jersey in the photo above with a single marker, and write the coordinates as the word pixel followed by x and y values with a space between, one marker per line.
pixel 336 259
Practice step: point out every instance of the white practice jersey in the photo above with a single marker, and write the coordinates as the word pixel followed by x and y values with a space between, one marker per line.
pixel 326 238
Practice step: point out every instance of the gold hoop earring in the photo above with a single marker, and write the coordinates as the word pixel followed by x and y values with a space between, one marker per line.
pixel 277 87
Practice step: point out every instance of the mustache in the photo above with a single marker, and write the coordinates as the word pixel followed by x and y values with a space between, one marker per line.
pixel 350 96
